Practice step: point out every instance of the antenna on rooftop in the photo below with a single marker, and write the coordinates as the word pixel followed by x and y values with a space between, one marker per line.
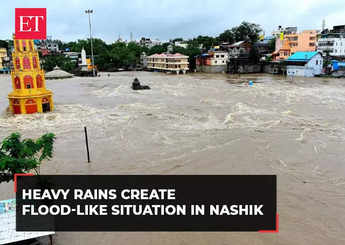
pixel 323 24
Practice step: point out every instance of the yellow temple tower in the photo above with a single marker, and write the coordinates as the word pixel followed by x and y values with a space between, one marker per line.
pixel 29 86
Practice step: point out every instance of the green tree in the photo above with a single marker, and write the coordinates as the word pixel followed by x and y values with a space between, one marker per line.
pixel 254 55
pixel 227 36
pixel 272 44
pixel 4 44
pixel 22 156
pixel 50 61
pixel 179 39
pixel 157 49
pixel 206 42
pixel 247 31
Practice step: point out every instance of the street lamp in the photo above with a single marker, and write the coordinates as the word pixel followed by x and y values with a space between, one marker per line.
pixel 90 11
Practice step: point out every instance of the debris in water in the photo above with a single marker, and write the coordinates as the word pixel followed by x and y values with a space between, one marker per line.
pixel 137 86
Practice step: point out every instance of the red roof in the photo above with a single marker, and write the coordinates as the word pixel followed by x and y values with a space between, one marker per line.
pixel 177 55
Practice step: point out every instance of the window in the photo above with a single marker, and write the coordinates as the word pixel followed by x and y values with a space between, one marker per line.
pixel 26 63
pixel 217 56
pixel 34 62
pixel 17 45
pixel 17 82
pixel 317 62
pixel 28 82
pixel 39 81
pixel 215 62
pixel 222 55
pixel 24 45
pixel 17 63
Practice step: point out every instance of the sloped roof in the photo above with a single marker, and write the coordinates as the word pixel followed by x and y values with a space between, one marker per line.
pixel 237 44
pixel 177 55
pixel 302 56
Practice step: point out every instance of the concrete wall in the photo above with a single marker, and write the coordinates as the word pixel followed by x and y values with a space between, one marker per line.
pixel 298 71
pixel 273 69
pixel 249 68
pixel 212 69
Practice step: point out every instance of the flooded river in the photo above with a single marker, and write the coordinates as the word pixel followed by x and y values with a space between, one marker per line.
pixel 203 124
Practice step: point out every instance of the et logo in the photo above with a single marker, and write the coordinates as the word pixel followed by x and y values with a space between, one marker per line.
pixel 31 23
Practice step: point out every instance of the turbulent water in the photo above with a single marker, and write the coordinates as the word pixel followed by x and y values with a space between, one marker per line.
pixel 203 124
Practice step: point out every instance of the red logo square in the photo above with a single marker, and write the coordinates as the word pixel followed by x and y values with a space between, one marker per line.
pixel 31 23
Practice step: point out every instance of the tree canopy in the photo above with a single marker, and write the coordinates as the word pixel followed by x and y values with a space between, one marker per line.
pixel 21 156
pixel 245 31
pixel 123 55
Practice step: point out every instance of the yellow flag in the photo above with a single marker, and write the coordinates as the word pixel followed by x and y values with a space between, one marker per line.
pixel 281 36
pixel 261 37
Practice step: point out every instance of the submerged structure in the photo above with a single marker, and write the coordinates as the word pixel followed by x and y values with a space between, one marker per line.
pixel 57 73
pixel 212 62
pixel 304 64
pixel 29 93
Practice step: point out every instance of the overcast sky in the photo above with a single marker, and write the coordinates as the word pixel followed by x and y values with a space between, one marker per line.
pixel 166 19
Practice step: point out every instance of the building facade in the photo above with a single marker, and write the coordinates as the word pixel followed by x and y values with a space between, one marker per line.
pixel 29 93
pixel 332 43
pixel 302 42
pixel 47 46
pixel 304 64
pixel 3 59
pixel 148 42
pixel 289 41
pixel 168 63
pixel 212 62
pixel 239 49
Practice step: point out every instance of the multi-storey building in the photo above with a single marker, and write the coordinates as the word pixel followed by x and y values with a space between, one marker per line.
pixel 288 43
pixel 212 62
pixel 168 62
pixel 302 42
pixel 148 42
pixel 332 42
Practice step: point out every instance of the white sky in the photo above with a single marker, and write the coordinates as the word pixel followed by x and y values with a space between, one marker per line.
pixel 165 19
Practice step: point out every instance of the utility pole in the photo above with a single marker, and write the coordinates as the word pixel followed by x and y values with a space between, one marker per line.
pixel 323 24
pixel 89 12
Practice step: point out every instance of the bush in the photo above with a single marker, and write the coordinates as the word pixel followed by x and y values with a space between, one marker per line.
pixel 22 156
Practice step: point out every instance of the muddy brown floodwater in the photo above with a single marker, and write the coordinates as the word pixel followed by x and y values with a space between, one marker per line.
pixel 203 124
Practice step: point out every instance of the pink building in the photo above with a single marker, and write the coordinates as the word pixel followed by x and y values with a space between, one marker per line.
pixel 295 42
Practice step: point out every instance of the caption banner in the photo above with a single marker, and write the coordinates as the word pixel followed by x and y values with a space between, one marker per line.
pixel 146 203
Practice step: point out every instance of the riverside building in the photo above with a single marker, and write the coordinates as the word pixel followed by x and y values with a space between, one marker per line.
pixel 168 63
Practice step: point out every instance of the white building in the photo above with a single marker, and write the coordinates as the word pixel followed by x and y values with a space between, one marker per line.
pixel 304 64
pixel 148 42
pixel 332 44
pixel 219 58
pixel 168 63
pixel 181 44
pixel 212 62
